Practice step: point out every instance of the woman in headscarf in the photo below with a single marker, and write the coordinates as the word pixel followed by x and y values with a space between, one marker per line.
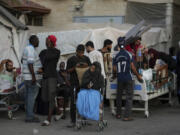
pixel 92 78
pixel 155 55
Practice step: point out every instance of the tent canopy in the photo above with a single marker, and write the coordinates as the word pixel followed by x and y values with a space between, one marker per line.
pixel 8 16
pixel 13 37
pixel 157 1
pixel 67 41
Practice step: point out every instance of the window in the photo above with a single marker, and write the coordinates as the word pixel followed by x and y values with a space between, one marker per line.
pixel 38 21
pixel 99 19
pixel 34 20
pixel 29 20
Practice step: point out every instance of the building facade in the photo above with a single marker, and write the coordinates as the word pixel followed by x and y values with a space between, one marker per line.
pixel 80 14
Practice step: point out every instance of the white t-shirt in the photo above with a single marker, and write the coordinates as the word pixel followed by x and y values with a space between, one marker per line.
pixel 97 56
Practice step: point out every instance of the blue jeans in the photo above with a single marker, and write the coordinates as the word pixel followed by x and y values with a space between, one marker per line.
pixel 31 92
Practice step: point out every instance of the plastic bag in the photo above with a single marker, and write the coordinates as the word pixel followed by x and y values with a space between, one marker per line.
pixel 88 103
pixel 147 74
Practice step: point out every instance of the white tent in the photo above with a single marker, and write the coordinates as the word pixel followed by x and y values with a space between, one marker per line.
pixel 67 41
pixel 13 37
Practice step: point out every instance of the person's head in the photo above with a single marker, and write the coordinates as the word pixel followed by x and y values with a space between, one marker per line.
pixel 89 46
pixel 51 41
pixel 138 41
pixel 121 42
pixel 9 65
pixel 108 44
pixel 33 40
pixel 62 66
pixel 80 50
pixel 153 53
pixel 172 51
pixel 96 68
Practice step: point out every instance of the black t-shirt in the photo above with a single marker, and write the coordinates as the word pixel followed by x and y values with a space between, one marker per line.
pixel 49 59
pixel 72 62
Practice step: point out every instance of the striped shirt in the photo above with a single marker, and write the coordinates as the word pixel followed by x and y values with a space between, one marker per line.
pixel 30 56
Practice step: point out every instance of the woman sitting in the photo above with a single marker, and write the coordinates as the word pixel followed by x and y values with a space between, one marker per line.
pixel 92 78
pixel 89 101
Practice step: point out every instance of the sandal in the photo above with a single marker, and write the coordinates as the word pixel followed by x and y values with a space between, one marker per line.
pixel 45 123
pixel 118 116
pixel 128 119
pixel 58 117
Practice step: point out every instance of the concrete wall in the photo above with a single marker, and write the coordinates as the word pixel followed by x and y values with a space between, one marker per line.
pixel 61 16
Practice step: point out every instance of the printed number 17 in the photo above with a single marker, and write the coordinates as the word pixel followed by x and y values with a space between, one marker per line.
pixel 122 64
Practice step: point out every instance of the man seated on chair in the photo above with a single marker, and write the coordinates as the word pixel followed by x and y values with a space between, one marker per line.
pixel 7 73
pixel 63 90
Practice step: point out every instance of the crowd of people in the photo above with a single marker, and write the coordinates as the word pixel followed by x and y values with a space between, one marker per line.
pixel 40 71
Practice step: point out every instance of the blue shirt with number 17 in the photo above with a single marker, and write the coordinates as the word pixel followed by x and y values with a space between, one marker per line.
pixel 123 63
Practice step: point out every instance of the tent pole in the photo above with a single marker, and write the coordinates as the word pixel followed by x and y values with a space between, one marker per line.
pixel 169 22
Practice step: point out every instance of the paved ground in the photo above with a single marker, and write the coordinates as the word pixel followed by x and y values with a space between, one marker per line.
pixel 164 120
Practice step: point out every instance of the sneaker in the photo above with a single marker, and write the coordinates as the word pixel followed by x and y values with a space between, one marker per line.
pixel 58 117
pixel 45 123
pixel 33 120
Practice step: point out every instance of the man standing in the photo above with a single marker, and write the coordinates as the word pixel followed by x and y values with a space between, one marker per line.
pixel 31 67
pixel 95 55
pixel 106 50
pixel 49 59
pixel 107 46
pixel 107 60
pixel 122 66
pixel 78 61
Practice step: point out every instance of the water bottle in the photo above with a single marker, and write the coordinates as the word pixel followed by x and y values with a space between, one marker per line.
pixel 139 52
pixel 140 71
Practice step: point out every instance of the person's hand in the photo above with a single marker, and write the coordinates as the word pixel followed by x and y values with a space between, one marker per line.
pixel 139 77
pixel 33 80
pixel 77 65
pixel 83 65
pixel 90 85
pixel 112 78
pixel 40 71
pixel 64 74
